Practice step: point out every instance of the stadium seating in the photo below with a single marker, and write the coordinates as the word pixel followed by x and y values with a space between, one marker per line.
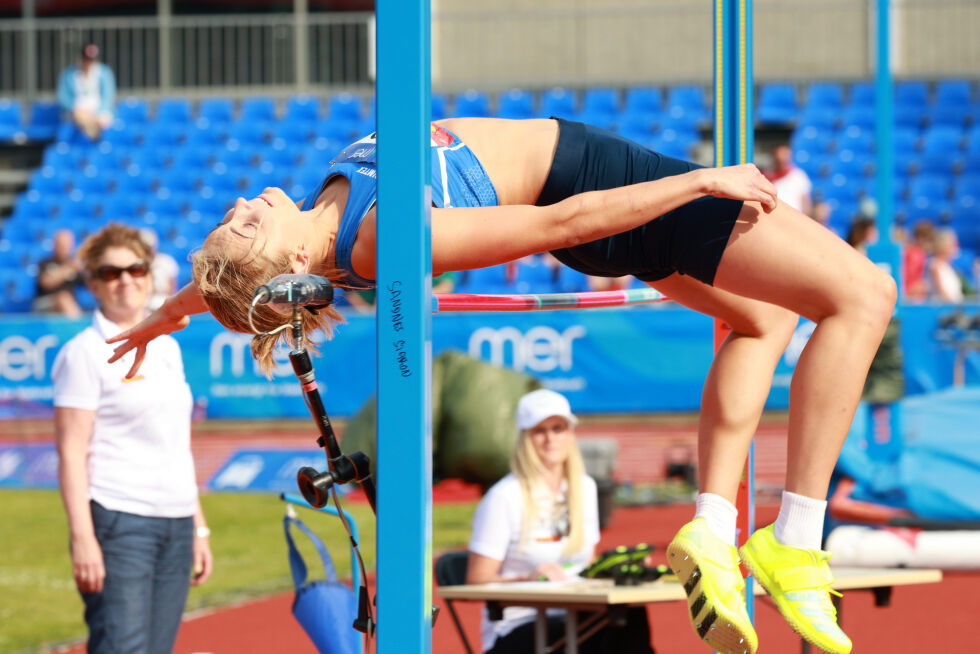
pixel 516 104
pixel 777 103
pixel 176 164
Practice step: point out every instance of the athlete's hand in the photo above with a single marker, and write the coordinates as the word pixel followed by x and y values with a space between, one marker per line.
pixel 549 570
pixel 743 182
pixel 156 324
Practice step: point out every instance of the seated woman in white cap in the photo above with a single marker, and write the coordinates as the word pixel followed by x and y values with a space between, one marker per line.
pixel 541 522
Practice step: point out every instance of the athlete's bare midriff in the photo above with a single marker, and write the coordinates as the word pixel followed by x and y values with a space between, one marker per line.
pixel 516 154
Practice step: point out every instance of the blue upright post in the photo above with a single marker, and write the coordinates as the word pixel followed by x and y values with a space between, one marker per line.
pixel 404 319
pixel 735 144
pixel 885 252
pixel 886 419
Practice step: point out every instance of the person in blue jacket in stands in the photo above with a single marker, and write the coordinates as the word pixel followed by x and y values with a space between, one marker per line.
pixel 87 93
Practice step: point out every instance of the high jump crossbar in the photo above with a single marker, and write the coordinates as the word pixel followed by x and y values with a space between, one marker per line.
pixel 460 302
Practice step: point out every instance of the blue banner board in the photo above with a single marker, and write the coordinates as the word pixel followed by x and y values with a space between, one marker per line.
pixel 617 360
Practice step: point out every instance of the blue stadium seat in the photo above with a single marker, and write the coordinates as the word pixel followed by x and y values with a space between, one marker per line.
pixel 965 221
pixel 777 103
pixel 43 121
pixel 813 139
pixel 258 109
pixel 862 94
pixel 485 280
pixel 972 139
pixel 676 142
pixel 296 133
pixel 302 109
pixel 91 181
pixel 560 102
pixel 251 133
pixel 911 93
pixel 601 101
pixel 515 103
pixel 191 158
pixel 825 95
pixel 855 138
pixel 823 118
pixel 345 107
pixel 952 92
pixel 60 154
pixel 216 110
pixel 861 116
pixel 637 126
pixel 966 188
pixel 173 110
pixel 687 101
pixel 135 181
pixel 471 103
pixel 942 139
pixel 48 180
pixel 11 119
pixel 911 116
pixel 905 139
pixel 643 100
pixel 928 190
pixel 855 165
pixel 165 135
pixel 952 115
pixel 120 135
pixel 440 106
pixel 936 163
pixel 133 111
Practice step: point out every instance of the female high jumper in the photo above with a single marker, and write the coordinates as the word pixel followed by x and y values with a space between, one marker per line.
pixel 714 239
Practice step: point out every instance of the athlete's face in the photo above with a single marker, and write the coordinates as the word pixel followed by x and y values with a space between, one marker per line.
pixel 269 224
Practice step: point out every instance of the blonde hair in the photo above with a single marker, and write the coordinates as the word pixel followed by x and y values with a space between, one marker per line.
pixel 113 235
pixel 527 467
pixel 227 286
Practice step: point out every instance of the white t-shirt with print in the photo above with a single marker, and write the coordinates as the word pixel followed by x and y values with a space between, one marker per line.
pixel 139 457
pixel 497 535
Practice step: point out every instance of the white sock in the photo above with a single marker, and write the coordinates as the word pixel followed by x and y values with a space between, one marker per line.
pixel 720 515
pixel 800 521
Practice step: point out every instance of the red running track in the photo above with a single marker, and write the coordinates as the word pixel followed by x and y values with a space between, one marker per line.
pixel 922 619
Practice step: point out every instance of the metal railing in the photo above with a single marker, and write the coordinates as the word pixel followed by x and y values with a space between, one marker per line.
pixel 188 54
pixel 486 44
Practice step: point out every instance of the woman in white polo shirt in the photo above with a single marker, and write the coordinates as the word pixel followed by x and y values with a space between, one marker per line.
pixel 125 468
pixel 541 522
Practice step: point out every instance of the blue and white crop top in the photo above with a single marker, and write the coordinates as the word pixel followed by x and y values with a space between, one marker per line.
pixel 458 180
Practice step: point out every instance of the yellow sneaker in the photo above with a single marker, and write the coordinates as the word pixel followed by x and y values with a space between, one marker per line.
pixel 707 568
pixel 799 582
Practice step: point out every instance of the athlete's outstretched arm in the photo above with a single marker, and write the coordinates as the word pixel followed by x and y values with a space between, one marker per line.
pixel 466 238
pixel 170 317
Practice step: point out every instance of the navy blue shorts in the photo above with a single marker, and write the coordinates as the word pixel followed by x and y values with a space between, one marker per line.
pixel 689 240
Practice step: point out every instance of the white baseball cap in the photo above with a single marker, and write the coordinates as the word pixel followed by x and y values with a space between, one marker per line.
pixel 542 404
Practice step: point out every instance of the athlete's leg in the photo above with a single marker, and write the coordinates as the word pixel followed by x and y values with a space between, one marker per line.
pixel 738 383
pixel 787 259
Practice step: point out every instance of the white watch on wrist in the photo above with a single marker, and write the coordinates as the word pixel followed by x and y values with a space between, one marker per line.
pixel 202 532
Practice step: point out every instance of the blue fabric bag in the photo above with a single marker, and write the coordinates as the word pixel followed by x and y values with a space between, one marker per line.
pixel 325 608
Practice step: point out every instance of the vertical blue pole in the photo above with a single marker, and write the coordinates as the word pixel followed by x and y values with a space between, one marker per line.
pixel 886 252
pixel 886 419
pixel 404 346
pixel 735 144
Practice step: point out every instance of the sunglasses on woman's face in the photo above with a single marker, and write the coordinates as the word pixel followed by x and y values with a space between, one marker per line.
pixel 112 273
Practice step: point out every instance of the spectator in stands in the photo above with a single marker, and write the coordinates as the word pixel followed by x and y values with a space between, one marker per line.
pixel 945 283
pixel 541 521
pixel 164 271
pixel 57 277
pixel 87 93
pixel 792 183
pixel 125 471
pixel 916 254
pixel 862 233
